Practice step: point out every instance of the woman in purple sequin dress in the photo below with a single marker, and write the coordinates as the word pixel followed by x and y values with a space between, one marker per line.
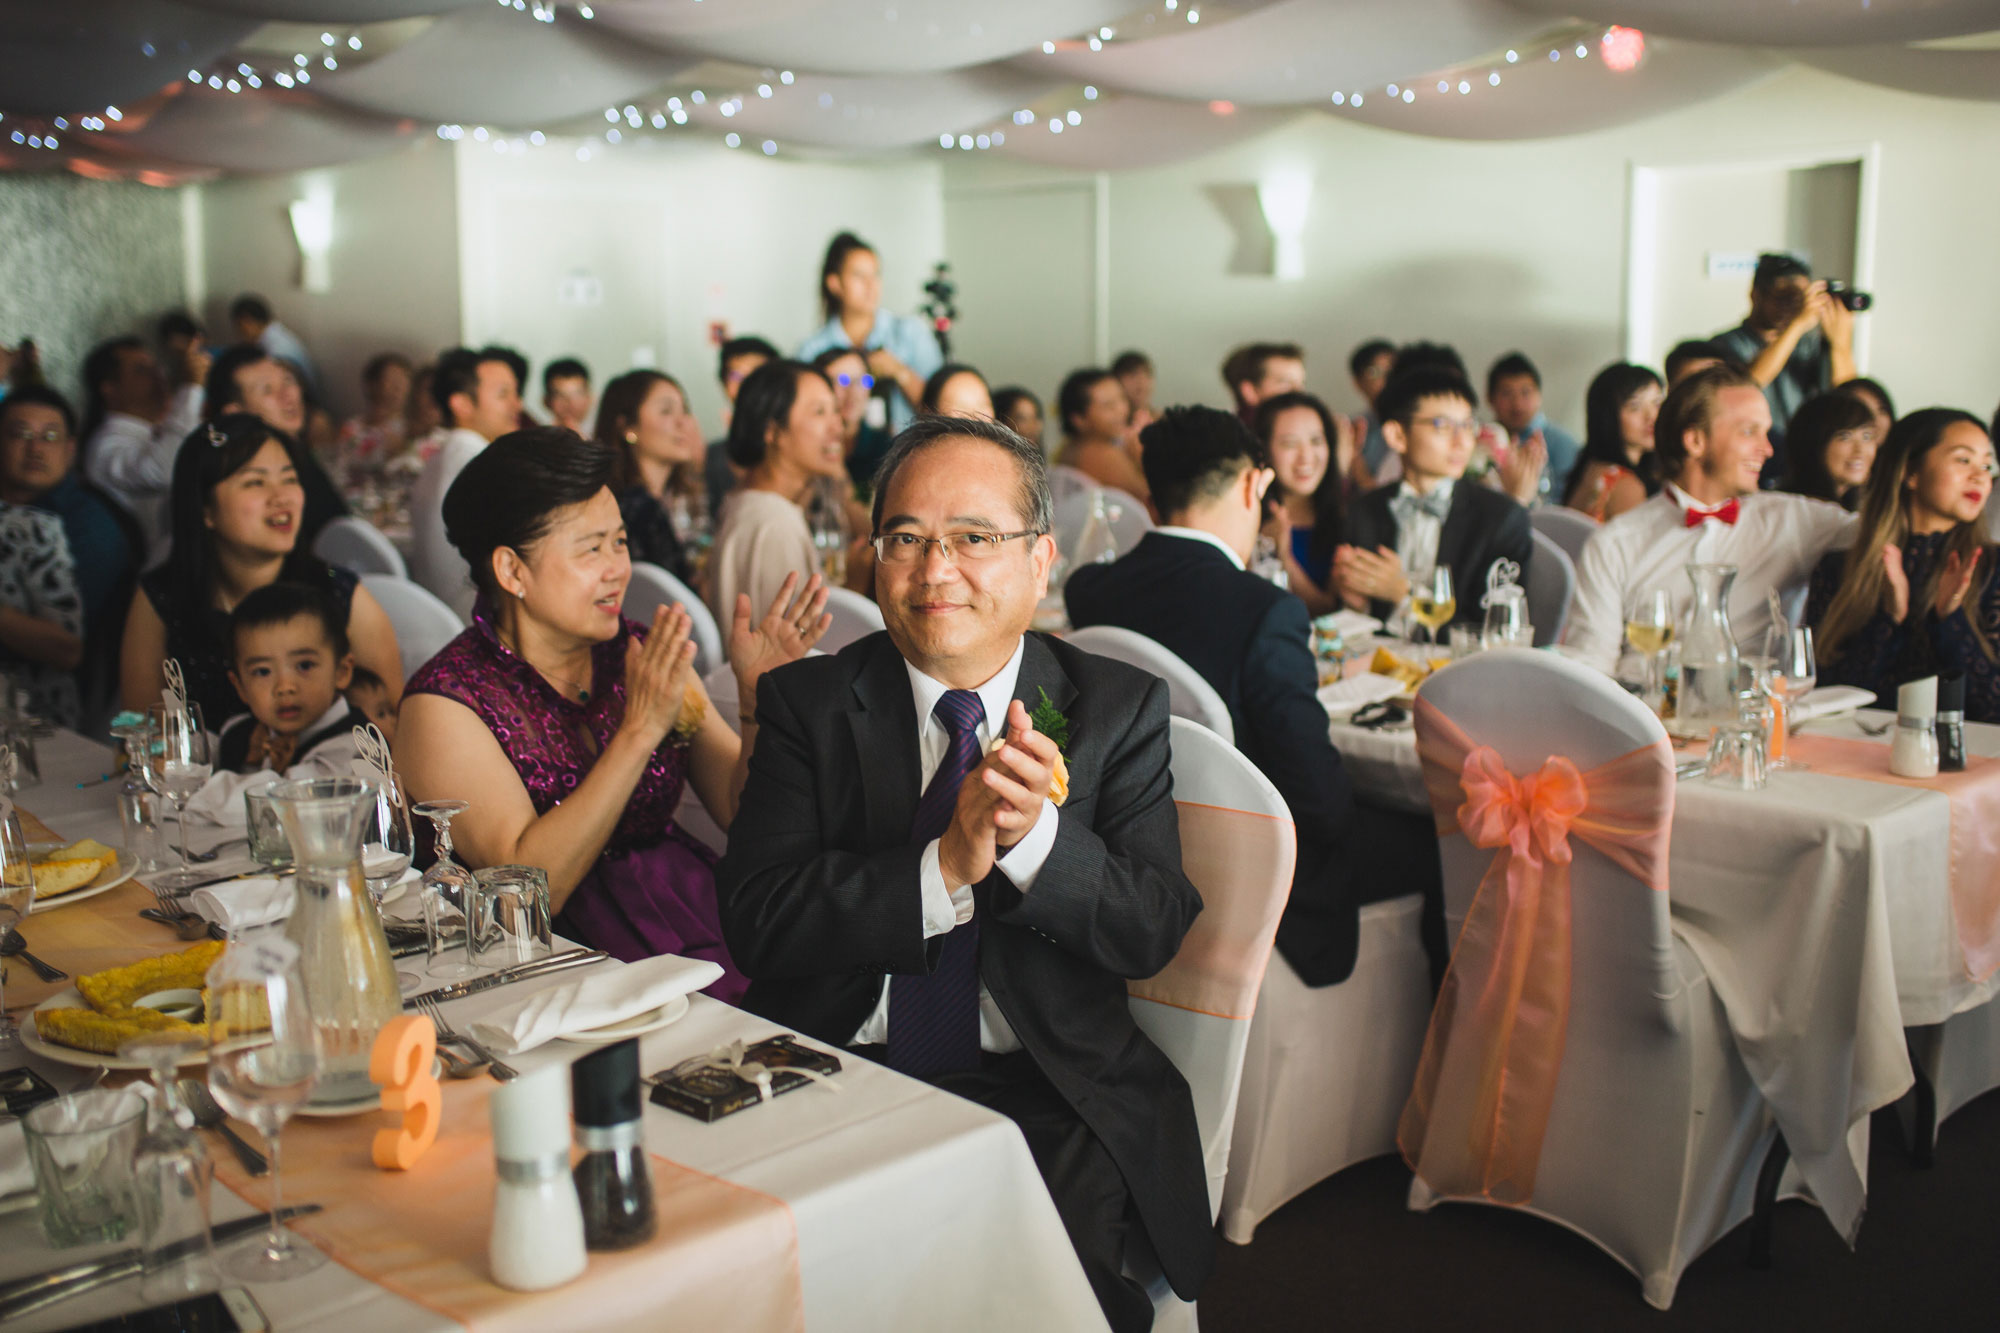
pixel 572 731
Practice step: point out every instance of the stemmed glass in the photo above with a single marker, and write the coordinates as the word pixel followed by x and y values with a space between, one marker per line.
pixel 174 1171
pixel 177 769
pixel 17 899
pixel 447 887
pixel 263 1060
pixel 1433 602
pixel 387 848
pixel 1798 665
pixel 1649 624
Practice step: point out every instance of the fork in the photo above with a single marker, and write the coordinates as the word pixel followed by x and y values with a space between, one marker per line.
pixel 183 921
pixel 446 1033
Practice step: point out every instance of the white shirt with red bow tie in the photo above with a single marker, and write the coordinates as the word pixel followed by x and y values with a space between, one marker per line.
pixel 1774 543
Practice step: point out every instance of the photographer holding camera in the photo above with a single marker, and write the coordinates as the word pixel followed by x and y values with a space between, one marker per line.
pixel 1799 337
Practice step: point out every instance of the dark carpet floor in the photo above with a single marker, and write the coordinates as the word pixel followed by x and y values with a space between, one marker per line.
pixel 1349 1255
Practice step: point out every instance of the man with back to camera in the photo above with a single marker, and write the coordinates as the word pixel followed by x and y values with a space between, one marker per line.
pixel 1186 587
pixel 1797 341
pixel 479 396
pixel 975 935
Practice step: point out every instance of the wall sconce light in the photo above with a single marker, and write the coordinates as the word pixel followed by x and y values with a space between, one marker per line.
pixel 312 228
pixel 1284 199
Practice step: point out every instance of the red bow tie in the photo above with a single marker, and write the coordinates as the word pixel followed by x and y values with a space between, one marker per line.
pixel 1724 513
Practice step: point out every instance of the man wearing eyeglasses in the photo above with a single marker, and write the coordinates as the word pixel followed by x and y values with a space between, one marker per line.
pixel 1400 535
pixel 900 881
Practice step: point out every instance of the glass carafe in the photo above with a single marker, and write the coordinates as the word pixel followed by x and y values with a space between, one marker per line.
pixel 1709 664
pixel 1096 543
pixel 344 961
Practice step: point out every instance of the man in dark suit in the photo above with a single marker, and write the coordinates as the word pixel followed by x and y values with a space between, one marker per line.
pixel 1431 518
pixel 899 879
pixel 1185 587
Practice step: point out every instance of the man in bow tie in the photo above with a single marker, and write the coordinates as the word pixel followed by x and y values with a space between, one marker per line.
pixel 900 881
pixel 1398 534
pixel 1712 439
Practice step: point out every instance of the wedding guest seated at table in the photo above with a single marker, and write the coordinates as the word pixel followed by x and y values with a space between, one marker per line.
pixel 368 695
pixel 1915 595
pixel 1304 504
pixel 1514 392
pixel 523 419
pixel 133 424
pixel 1018 408
pixel 644 418
pixel 291 663
pixel 369 440
pixel 1617 468
pixel 1712 438
pixel 249 379
pixel 1396 535
pixel 566 394
pixel 976 936
pixel 255 324
pixel 1830 448
pixel 572 731
pixel 1696 354
pixel 1368 367
pixel 480 400
pixel 734 363
pixel 1136 377
pixel 1880 405
pixel 1095 422
pixel 1257 371
pixel 1186 586
pixel 957 390
pixel 854 389
pixel 236 506
pixel 41 611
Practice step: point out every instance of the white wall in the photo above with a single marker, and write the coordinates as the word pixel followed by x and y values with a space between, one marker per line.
pixel 1500 245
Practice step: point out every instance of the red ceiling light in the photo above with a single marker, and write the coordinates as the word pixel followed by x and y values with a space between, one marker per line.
pixel 1222 108
pixel 1623 49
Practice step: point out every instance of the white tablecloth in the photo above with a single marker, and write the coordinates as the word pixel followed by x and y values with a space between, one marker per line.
pixel 915 1209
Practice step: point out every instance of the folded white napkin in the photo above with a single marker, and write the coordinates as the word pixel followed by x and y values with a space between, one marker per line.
pixel 1344 696
pixel 239 904
pixel 1830 700
pixel 1349 624
pixel 602 995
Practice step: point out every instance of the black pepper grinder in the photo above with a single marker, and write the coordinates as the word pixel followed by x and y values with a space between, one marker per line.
pixel 613 1181
pixel 1951 724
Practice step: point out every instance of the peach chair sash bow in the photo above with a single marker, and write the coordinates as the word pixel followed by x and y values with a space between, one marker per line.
pixel 1479 1109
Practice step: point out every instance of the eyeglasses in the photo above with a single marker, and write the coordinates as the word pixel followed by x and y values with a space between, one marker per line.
pixel 1448 425
pixel 865 381
pixel 907 548
pixel 47 435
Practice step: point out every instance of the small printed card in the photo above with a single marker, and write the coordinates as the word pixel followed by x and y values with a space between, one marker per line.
pixel 734 1077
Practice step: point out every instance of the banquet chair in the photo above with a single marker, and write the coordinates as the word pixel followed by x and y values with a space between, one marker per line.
pixel 1655 1132
pixel 1189 696
pixel 1129 519
pixel 423 623
pixel 854 617
pixel 1551 582
pixel 1238 845
pixel 356 544
pixel 1566 527
pixel 652 588
pixel 1067 481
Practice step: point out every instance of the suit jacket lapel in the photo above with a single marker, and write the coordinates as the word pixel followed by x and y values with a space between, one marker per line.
pixel 1040 671
pixel 1456 534
pixel 884 724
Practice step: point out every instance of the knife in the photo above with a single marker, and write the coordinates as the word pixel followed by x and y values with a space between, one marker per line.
pixel 560 962
pixel 185 889
pixel 28 1294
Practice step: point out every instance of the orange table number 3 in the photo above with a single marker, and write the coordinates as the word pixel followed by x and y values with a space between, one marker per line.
pixel 401 1063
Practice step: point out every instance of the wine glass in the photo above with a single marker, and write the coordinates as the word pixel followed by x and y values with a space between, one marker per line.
pixel 1798 665
pixel 1433 602
pixel 387 848
pixel 174 1172
pixel 17 898
pixel 1649 624
pixel 447 887
pixel 263 1060
pixel 177 769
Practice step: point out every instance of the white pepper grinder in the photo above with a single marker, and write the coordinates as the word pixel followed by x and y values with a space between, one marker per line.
pixel 537 1239
pixel 1914 752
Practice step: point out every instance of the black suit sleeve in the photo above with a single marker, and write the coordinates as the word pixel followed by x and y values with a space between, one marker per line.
pixel 792 907
pixel 1288 724
pixel 1111 891
pixel 1513 539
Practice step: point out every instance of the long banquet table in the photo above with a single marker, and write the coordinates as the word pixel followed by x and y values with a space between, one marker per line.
pixel 912 1209
pixel 1821 908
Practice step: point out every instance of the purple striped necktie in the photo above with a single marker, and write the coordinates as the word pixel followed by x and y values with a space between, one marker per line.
pixel 934 1019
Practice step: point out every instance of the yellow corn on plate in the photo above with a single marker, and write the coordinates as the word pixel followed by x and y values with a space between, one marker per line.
pixel 114 990
pixel 88 1030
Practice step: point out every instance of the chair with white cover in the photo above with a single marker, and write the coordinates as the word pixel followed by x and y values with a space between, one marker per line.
pixel 1551 582
pixel 652 588
pixel 423 623
pixel 1238 845
pixel 1568 528
pixel 1650 1141
pixel 1188 695
pixel 1127 514
pixel 1067 481
pixel 854 617
pixel 354 543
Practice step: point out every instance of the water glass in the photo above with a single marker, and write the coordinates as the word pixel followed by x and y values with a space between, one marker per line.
pixel 269 847
pixel 511 922
pixel 81 1149
pixel 1736 755
pixel 1507 619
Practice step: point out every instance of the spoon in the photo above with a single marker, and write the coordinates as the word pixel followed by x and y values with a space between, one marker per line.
pixel 209 1116
pixel 203 858
pixel 16 943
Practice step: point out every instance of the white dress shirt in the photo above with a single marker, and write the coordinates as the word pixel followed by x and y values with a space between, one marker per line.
pixel 1199 535
pixel 1417 535
pixel 434 561
pixel 949 906
pixel 1775 543
pixel 133 460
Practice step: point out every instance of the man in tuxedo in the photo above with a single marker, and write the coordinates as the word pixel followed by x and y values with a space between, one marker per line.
pixel 899 880
pixel 1185 586
pixel 1399 533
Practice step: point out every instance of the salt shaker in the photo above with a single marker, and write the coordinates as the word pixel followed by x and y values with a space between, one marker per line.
pixel 537 1239
pixel 1951 724
pixel 613 1180
pixel 1914 752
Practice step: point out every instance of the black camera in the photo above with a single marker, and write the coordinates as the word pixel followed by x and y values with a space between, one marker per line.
pixel 1847 296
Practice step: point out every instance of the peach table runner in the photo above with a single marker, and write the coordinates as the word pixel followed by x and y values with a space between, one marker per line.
pixel 1975 833
pixel 725 1257
pixel 1244 875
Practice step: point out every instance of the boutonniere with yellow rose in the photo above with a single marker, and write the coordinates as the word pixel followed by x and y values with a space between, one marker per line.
pixel 1048 720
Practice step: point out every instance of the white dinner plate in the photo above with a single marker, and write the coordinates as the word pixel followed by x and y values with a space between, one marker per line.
pixel 72 998
pixel 107 879
pixel 650 1021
